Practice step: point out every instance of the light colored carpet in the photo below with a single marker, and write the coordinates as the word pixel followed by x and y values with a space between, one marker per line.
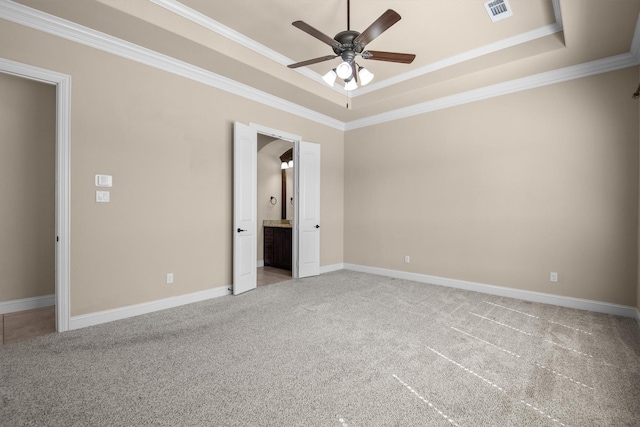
pixel 344 349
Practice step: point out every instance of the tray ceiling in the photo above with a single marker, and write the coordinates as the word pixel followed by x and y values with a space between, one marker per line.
pixel 458 48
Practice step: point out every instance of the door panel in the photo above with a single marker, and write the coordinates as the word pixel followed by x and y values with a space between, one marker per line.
pixel 309 209
pixel 245 184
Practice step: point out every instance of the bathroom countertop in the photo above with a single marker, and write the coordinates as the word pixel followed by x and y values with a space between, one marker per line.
pixel 281 223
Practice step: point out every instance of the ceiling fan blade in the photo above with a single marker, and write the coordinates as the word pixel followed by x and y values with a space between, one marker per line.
pixel 403 58
pixel 380 25
pixel 315 33
pixel 312 61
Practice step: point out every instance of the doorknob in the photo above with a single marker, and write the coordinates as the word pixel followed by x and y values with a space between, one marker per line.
pixel 240 230
pixel 317 226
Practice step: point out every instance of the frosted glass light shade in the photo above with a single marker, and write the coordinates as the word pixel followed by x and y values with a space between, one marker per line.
pixel 351 85
pixel 365 76
pixel 290 164
pixel 284 165
pixel 330 77
pixel 344 70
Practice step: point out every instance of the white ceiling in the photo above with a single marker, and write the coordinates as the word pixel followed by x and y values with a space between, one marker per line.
pixel 459 50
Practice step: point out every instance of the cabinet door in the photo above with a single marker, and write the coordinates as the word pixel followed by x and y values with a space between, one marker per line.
pixel 283 243
pixel 268 247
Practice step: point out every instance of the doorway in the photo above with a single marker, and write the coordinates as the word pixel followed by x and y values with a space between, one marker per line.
pixel 27 189
pixel 306 202
pixel 275 210
pixel 60 185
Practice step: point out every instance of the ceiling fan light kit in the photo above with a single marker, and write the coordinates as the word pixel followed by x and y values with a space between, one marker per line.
pixel 365 75
pixel 348 44
pixel 344 70
pixel 330 77
pixel 350 84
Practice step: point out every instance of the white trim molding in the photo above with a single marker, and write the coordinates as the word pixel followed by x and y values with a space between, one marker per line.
pixel 59 27
pixel 27 303
pixel 91 319
pixel 330 268
pixel 63 179
pixel 463 57
pixel 540 297
pixel 207 22
pixel 573 72
pixel 97 318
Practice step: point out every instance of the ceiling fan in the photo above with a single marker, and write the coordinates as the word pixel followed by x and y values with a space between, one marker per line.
pixel 349 44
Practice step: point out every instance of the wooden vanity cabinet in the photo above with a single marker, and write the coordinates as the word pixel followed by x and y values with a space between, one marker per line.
pixel 277 247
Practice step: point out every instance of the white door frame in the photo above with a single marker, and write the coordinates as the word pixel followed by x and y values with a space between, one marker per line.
pixel 295 139
pixel 63 178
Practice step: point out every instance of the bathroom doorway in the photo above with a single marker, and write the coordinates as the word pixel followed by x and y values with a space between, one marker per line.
pixel 275 210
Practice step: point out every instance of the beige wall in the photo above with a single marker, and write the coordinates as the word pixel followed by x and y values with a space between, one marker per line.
pixel 167 142
pixel 505 191
pixel 27 188
pixel 501 191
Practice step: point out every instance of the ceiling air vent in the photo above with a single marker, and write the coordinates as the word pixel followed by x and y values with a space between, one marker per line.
pixel 498 9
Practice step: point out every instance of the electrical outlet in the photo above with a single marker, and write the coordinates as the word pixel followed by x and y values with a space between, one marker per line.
pixel 553 277
pixel 407 259
pixel 169 277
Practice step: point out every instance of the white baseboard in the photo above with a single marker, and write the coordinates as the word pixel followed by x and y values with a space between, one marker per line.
pixel 27 303
pixel 261 263
pixel 90 319
pixel 330 268
pixel 582 304
pixel 97 318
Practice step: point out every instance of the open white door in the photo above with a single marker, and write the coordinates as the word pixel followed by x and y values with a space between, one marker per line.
pixel 308 214
pixel 245 153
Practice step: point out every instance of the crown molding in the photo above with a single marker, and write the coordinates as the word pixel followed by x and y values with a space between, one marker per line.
pixel 463 57
pixel 231 34
pixel 59 27
pixel 537 80
pixel 215 26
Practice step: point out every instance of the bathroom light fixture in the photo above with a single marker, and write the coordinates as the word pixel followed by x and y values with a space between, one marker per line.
pixel 284 165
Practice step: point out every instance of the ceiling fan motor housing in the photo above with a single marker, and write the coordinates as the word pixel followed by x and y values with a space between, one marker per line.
pixel 346 44
pixel 349 44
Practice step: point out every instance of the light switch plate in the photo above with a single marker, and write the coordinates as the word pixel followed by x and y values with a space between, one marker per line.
pixel 104 180
pixel 103 196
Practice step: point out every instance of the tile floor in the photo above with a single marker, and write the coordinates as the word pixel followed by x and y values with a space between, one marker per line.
pixel 26 325
pixel 270 275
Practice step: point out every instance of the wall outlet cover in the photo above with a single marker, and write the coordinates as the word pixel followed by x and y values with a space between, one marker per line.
pixel 103 196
